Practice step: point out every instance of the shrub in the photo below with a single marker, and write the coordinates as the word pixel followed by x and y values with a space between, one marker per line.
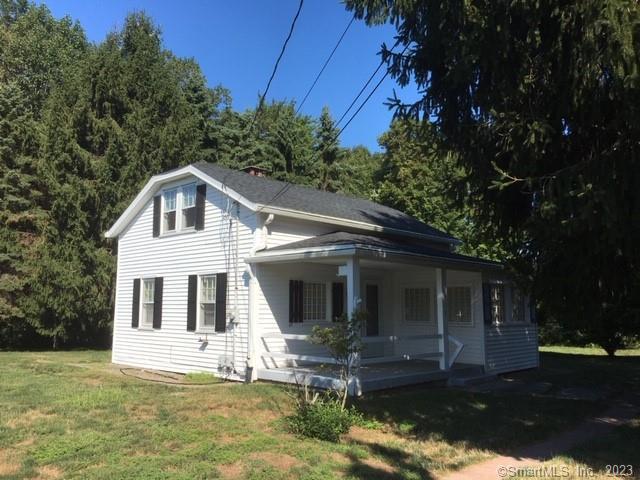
pixel 324 419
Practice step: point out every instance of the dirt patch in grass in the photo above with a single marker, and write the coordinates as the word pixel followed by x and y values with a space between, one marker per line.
pixel 142 411
pixel 9 462
pixel 230 471
pixel 27 442
pixel 29 418
pixel 49 472
pixel 280 461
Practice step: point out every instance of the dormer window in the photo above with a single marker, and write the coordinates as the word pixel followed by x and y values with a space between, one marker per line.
pixel 189 206
pixel 179 209
pixel 170 198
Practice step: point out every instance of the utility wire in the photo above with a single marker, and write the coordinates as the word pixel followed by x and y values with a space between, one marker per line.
pixel 288 184
pixel 275 67
pixel 325 65
pixel 365 86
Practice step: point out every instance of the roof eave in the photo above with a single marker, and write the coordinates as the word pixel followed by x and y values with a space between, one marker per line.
pixel 343 222
pixel 296 254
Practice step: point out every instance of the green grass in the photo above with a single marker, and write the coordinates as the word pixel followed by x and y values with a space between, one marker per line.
pixel 201 378
pixel 73 415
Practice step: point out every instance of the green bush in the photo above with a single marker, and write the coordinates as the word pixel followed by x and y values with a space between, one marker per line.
pixel 324 419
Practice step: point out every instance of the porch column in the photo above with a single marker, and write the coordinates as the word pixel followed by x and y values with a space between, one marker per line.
pixel 253 354
pixel 441 311
pixel 352 273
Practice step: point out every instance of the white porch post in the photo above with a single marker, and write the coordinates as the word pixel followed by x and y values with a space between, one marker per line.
pixel 443 323
pixel 253 357
pixel 352 273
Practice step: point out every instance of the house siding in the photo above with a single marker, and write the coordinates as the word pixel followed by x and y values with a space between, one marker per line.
pixel 511 347
pixel 175 257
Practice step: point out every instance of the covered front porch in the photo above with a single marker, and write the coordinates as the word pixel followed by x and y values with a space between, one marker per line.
pixel 407 338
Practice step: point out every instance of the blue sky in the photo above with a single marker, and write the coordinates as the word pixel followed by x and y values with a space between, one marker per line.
pixel 236 43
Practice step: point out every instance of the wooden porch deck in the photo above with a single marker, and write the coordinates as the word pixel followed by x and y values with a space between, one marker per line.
pixel 373 377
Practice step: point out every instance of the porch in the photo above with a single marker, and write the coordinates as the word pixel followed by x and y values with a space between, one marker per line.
pixel 407 336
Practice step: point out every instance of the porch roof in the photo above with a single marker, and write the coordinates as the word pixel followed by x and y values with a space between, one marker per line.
pixel 346 244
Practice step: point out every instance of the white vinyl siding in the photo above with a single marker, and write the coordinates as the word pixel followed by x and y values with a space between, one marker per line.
pixel 459 305
pixel 417 305
pixel 175 257
pixel 314 302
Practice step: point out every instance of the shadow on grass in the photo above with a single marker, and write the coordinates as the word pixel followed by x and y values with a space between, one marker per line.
pixel 502 422
pixel 392 463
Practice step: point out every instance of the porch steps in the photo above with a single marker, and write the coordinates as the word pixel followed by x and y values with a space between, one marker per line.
pixel 469 376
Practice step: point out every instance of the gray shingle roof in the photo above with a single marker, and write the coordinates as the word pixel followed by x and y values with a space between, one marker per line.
pixel 275 193
pixel 382 242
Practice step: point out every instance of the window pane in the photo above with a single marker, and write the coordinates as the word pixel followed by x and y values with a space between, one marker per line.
pixel 314 301
pixel 169 221
pixel 208 288
pixel 517 300
pixel 189 217
pixel 189 196
pixel 497 304
pixel 147 314
pixel 148 289
pixel 416 304
pixel 208 313
pixel 169 200
pixel 459 304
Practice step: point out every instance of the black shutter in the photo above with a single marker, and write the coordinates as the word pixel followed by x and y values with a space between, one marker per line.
pixel 201 194
pixel 192 303
pixel 486 302
pixel 337 300
pixel 157 302
pixel 221 302
pixel 156 215
pixel 295 301
pixel 135 311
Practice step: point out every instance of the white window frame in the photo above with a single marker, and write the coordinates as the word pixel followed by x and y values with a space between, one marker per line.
pixel 326 306
pixel 450 319
pixel 200 326
pixel 505 317
pixel 179 189
pixel 143 314
pixel 430 306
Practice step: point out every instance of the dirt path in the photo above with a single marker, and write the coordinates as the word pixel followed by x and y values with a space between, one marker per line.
pixel 620 413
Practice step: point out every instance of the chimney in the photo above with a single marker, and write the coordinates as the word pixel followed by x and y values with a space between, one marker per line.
pixel 255 171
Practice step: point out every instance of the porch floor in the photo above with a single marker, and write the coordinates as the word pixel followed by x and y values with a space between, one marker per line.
pixel 378 376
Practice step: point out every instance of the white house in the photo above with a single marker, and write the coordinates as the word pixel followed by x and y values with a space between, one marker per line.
pixel 226 272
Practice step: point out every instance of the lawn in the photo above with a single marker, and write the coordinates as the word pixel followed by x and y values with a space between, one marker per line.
pixel 74 415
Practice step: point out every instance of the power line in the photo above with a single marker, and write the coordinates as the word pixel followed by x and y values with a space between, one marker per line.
pixel 325 65
pixel 275 67
pixel 382 62
pixel 366 99
pixel 288 184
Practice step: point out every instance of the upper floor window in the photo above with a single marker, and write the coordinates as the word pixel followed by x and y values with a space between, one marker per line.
pixel 170 198
pixel 180 209
pixel 189 206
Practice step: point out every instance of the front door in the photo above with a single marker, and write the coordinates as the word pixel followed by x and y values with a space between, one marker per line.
pixel 371 304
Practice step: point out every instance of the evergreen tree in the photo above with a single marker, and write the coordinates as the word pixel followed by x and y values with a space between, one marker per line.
pixel 328 149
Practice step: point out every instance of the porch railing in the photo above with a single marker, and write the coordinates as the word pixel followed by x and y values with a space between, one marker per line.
pixel 393 339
